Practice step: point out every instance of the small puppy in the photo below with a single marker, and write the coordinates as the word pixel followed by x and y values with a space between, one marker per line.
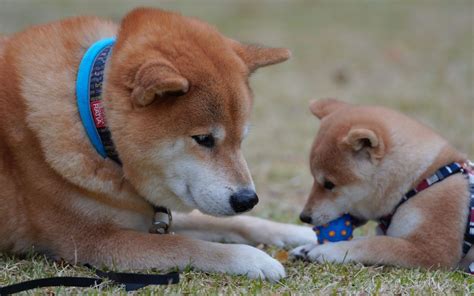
pixel 364 161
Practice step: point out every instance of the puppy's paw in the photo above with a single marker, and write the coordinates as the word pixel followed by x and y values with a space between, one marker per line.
pixel 301 252
pixel 254 263
pixel 332 252
pixel 262 231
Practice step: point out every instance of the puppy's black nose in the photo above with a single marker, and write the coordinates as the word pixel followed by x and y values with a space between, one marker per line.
pixel 305 218
pixel 243 200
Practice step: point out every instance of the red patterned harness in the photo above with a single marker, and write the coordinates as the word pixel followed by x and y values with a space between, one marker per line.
pixel 466 169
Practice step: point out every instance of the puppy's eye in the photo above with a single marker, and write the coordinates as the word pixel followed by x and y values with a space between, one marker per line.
pixel 207 141
pixel 328 185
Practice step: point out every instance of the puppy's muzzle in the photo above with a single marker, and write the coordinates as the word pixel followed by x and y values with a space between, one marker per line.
pixel 243 200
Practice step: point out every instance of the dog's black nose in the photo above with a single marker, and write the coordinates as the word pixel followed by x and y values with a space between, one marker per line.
pixel 305 218
pixel 243 200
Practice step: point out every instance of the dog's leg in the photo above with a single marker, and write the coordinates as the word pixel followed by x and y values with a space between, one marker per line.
pixel 383 250
pixel 242 229
pixel 126 249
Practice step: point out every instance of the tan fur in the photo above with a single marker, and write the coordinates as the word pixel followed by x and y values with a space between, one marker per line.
pixel 3 41
pixel 373 156
pixel 60 197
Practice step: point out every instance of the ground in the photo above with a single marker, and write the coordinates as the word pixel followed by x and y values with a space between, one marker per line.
pixel 414 56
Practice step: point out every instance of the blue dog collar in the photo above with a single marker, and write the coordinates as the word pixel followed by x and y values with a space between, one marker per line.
pixel 89 84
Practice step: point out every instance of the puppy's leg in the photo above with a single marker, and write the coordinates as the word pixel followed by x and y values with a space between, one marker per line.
pixel 383 250
pixel 242 229
pixel 127 249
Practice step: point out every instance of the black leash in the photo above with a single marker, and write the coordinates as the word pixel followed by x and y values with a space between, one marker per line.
pixel 132 281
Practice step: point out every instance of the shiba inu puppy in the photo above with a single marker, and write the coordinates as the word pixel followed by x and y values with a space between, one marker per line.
pixel 377 164
pixel 167 107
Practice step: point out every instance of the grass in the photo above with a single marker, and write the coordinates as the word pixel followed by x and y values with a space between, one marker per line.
pixel 303 279
pixel 414 56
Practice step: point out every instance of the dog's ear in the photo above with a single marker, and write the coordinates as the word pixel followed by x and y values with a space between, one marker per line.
pixel 366 142
pixel 255 56
pixel 324 107
pixel 155 79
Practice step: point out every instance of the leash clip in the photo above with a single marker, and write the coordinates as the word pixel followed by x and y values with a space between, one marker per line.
pixel 470 164
pixel 161 221
pixel 467 167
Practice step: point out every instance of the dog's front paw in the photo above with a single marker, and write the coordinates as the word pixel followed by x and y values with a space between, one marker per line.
pixel 301 252
pixel 293 235
pixel 254 263
pixel 279 234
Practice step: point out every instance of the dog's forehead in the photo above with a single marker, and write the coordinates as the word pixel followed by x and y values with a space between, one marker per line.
pixel 324 147
pixel 237 111
pixel 219 93
pixel 329 161
pixel 228 107
pixel 336 168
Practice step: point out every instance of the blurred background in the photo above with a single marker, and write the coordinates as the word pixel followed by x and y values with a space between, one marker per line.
pixel 414 56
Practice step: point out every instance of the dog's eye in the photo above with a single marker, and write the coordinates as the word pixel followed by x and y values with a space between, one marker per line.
pixel 328 185
pixel 207 141
pixel 178 93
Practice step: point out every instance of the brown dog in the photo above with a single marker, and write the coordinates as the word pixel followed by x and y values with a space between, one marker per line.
pixel 177 104
pixel 364 159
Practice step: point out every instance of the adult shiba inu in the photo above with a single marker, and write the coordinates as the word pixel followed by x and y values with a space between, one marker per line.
pixel 377 164
pixel 100 123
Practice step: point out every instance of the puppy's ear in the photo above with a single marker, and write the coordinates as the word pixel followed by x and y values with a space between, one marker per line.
pixel 365 142
pixel 255 56
pixel 154 79
pixel 324 107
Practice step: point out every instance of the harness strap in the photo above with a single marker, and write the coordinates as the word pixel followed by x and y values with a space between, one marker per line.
pixel 441 174
pixel 469 235
pixel 466 169
pixel 132 281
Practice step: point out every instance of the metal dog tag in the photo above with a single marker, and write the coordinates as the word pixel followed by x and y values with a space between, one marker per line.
pixel 161 221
